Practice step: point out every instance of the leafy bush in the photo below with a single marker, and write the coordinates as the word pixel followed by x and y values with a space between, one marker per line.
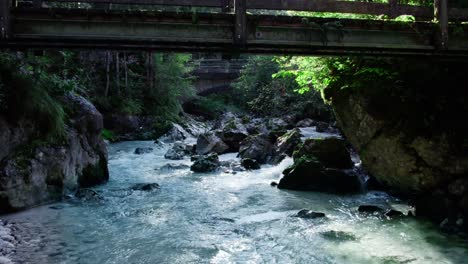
pixel 28 92
pixel 108 135
pixel 275 86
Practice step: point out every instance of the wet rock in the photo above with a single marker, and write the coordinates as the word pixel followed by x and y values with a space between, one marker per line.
pixel 232 131
pixel 231 166
pixel 308 173
pixel 331 152
pixel 205 163
pixel 322 127
pixel 175 133
pixel 367 208
pixel 88 195
pixel 178 151
pixel 306 123
pixel 256 147
pixel 308 214
pixel 436 207
pixel 285 145
pixel 172 167
pixel 173 154
pixel 392 213
pixel 257 126
pixel 373 184
pixel 210 143
pixel 238 168
pixel 145 187
pixel 458 187
pixel 41 174
pixel 250 164
pixel 140 151
pixel 273 184
pixel 277 124
pixel 338 236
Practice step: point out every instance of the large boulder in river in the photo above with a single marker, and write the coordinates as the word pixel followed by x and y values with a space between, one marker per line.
pixel 331 152
pixel 250 164
pixel 209 142
pixel 256 147
pixel 178 151
pixel 175 133
pixel 286 144
pixel 205 163
pixel 231 130
pixel 36 174
pixel 309 174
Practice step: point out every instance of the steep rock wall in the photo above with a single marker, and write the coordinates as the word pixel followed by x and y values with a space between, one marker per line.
pixel 32 174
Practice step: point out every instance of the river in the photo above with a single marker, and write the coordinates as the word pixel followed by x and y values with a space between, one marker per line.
pixel 219 218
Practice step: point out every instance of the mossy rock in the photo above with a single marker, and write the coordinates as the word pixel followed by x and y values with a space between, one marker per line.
pixel 309 174
pixel 94 174
pixel 331 152
pixel 205 163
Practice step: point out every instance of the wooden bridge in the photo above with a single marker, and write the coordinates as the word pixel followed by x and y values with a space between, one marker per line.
pixel 254 26
pixel 215 75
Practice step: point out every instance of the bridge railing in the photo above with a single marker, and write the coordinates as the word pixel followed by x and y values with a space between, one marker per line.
pixel 391 8
pixel 440 11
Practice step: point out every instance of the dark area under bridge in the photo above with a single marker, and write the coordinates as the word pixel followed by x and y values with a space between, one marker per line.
pixel 236 26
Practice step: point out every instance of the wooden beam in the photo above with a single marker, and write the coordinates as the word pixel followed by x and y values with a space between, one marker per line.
pixel 240 28
pixel 5 18
pixel 197 3
pixel 336 6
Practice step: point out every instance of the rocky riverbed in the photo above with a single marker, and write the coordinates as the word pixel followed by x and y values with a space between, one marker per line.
pixel 218 217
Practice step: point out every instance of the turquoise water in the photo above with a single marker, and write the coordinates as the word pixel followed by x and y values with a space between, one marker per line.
pixel 218 218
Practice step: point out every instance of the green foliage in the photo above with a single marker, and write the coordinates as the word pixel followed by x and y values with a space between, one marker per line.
pixel 161 127
pixel 274 86
pixel 172 82
pixel 405 18
pixel 313 73
pixel 28 91
pixel 153 89
pixel 255 76
pixel 108 135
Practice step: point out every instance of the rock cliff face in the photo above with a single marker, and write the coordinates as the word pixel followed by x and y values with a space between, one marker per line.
pixel 412 141
pixel 32 174
pixel 397 155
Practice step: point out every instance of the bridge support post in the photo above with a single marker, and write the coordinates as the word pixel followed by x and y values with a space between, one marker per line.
pixel 5 6
pixel 240 28
pixel 441 16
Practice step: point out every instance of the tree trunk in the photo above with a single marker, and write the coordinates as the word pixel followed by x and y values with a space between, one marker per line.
pixel 117 72
pixel 108 59
pixel 126 73
pixel 149 70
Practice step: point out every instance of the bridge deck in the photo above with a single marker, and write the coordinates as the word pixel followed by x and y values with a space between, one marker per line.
pixel 230 32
